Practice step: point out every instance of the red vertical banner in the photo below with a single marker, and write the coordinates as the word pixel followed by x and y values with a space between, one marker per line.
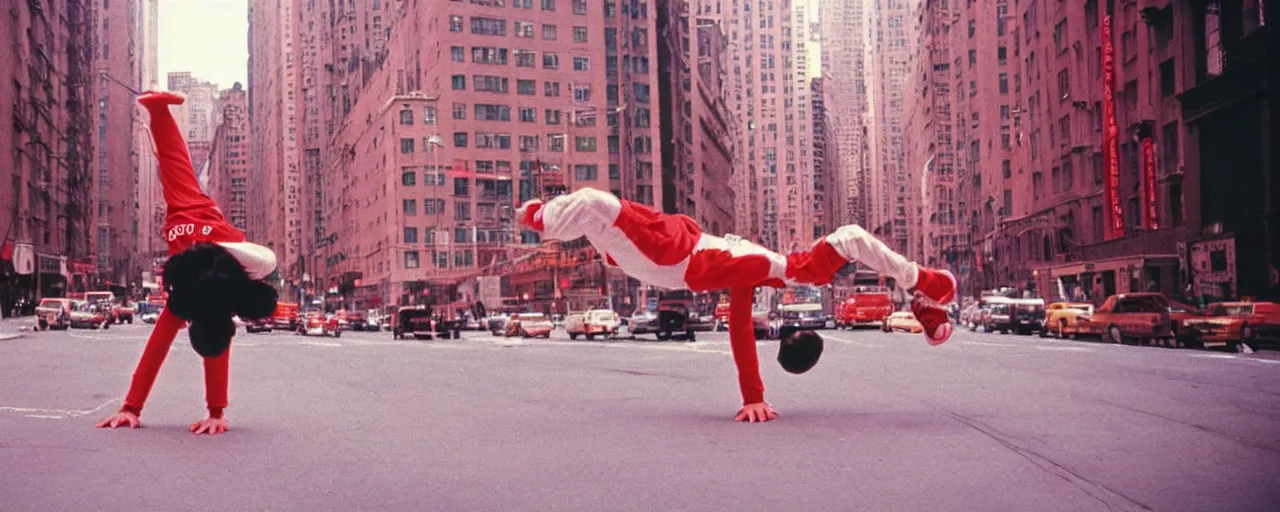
pixel 1150 214
pixel 1110 138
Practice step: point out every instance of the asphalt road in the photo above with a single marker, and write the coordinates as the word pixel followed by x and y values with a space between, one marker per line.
pixel 985 422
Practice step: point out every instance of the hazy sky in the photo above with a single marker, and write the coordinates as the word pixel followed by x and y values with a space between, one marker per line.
pixel 209 38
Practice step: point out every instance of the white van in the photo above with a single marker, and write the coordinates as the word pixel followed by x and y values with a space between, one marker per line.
pixel 596 322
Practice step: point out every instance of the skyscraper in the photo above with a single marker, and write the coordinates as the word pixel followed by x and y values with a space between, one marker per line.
pixel 844 42
pixel 229 156
pixel 890 48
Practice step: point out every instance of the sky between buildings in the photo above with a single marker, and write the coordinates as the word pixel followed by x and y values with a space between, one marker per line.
pixel 209 38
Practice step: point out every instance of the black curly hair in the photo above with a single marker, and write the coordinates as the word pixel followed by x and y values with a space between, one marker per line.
pixel 207 286
pixel 799 350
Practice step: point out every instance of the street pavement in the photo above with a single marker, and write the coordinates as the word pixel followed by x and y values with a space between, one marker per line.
pixel 986 422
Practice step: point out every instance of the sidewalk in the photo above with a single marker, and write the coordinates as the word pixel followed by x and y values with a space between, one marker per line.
pixel 10 327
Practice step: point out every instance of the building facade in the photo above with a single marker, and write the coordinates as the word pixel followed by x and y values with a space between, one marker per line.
pixel 844 45
pixel 149 246
pixel 115 234
pixel 698 149
pixel 47 207
pixel 475 108
pixel 888 183
pixel 229 157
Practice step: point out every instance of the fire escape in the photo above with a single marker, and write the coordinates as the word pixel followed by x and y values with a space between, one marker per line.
pixel 77 137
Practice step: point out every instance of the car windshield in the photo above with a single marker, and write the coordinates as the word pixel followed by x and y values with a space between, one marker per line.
pixel 1236 310
pixel 1000 309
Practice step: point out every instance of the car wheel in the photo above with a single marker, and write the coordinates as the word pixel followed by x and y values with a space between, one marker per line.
pixel 663 336
pixel 106 325
pixel 1114 335
pixel 690 336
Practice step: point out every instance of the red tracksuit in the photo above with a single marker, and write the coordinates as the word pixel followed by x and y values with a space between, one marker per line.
pixel 671 251
pixel 191 217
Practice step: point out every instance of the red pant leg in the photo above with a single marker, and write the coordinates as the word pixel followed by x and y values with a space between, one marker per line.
pixel 167 327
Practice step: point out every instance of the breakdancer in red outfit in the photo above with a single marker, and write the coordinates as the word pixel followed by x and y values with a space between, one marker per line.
pixel 212 275
pixel 671 251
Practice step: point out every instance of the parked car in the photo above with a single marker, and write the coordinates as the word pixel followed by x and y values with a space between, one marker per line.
pixel 643 322
pixel 1027 315
pixel 902 321
pixel 260 325
pixel 53 314
pixel 530 325
pixel 592 323
pixel 805 316
pixel 999 316
pixel 677 314
pixel 420 323
pixel 89 315
pixel 1141 317
pixel 124 313
pixel 497 323
pixel 315 323
pixel 1230 324
pixel 1062 318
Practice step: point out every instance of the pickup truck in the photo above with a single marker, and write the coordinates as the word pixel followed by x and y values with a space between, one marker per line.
pixel 592 323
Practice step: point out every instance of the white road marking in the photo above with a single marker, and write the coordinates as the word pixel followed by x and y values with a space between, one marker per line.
pixel 985 344
pixel 320 343
pixel 56 414
pixel 1065 349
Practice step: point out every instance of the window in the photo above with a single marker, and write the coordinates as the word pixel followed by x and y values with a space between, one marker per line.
pixel 1064 84
pixel 406 146
pixel 492 112
pixel 1004 83
pixel 486 83
pixel 429 116
pixel 579 34
pixel 1002 55
pixel 581 64
pixel 528 115
pixel 411 259
pixel 524 29
pixel 406 117
pixel 551 89
pixel 455 23
pixel 1006 169
pixel 1064 129
pixel 458 54
pixel 582 92
pixel 1098 225
pixel 549 5
pixel 585 172
pixel 579 6
pixel 488 26
pixel 1169 146
pixel 460 139
pixel 1007 209
pixel 528 143
pixel 1060 36
pixel 552 116
pixel 973 28
pixel 489 55
pixel 550 60
pixel 1068 176
pixel 548 32
pixel 973 58
pixel 459 82
pixel 409 177
pixel 461 186
pixel 526 87
pixel 610 9
pixel 410 235
pixel 410 207
pixel 1168 83
pixel 585 144
pixel 461 210
pixel 526 58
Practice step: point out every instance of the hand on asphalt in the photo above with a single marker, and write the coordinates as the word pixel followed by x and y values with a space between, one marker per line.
pixel 756 412
pixel 120 419
pixel 211 426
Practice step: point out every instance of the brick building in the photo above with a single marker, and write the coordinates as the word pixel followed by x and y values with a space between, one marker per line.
pixel 229 156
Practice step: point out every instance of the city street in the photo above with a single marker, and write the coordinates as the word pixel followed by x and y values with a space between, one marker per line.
pixel 884 422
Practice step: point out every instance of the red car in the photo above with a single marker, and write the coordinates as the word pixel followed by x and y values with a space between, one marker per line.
pixel 319 324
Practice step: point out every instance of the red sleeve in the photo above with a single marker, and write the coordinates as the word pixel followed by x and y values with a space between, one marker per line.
pixel 216 371
pixel 167 327
pixel 742 341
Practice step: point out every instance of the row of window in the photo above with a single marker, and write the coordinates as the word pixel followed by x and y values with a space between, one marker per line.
pixel 526 58
pixel 555 142
pixel 641 116
pixel 551 32
pixel 579 6
pixel 461 258
pixel 550 89
pixel 462 235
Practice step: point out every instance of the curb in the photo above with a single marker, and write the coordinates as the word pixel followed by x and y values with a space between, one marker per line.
pixel 7 337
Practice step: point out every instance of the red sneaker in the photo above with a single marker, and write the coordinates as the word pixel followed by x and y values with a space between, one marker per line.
pixel 937 325
pixel 938 286
pixel 161 98
pixel 529 215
